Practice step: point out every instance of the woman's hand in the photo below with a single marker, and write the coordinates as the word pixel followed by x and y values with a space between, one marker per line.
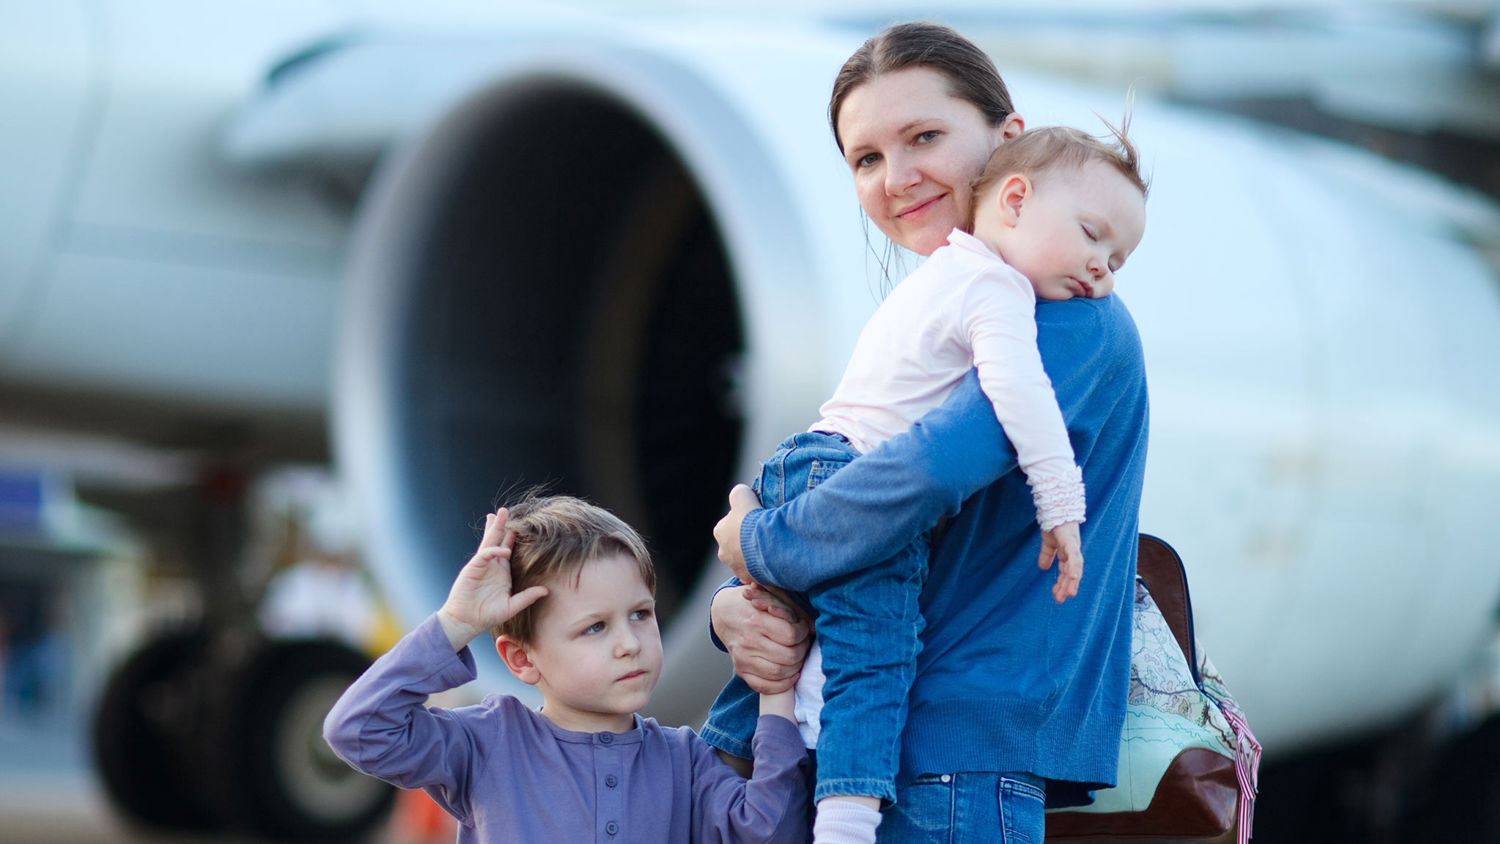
pixel 766 639
pixel 480 598
pixel 727 532
pixel 1062 542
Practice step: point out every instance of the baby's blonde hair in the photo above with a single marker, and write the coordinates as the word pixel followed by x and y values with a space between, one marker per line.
pixel 1037 151
pixel 555 536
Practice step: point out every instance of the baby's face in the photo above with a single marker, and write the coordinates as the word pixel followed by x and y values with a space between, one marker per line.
pixel 1073 232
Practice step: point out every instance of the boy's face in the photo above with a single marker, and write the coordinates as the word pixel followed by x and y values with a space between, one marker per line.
pixel 1069 231
pixel 596 648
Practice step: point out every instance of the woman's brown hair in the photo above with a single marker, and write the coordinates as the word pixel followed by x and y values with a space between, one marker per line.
pixel 971 74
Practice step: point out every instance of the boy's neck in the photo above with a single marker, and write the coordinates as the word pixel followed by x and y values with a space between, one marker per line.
pixel 587 722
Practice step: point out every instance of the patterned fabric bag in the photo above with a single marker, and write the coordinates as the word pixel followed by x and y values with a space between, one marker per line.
pixel 1188 761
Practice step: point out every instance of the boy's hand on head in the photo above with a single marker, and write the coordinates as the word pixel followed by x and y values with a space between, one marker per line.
pixel 727 532
pixel 481 598
pixel 1063 544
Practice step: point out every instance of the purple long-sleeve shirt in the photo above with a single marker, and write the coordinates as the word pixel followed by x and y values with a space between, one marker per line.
pixel 508 774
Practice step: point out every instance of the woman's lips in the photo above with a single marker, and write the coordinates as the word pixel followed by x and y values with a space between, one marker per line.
pixel 919 207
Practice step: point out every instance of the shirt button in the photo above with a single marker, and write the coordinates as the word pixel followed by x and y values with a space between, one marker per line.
pixel 947 778
pixel 611 827
pixel 606 738
pixel 611 781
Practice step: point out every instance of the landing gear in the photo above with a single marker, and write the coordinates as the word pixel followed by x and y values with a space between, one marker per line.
pixel 1397 788
pixel 1459 801
pixel 202 735
pixel 143 731
pixel 289 783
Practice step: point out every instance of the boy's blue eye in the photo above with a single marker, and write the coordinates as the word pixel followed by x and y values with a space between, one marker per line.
pixel 640 615
pixel 596 627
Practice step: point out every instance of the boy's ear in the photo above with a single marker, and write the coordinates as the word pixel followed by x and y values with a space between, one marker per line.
pixel 1012 195
pixel 518 660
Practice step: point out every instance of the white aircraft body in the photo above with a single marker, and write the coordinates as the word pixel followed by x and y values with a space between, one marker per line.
pixel 625 255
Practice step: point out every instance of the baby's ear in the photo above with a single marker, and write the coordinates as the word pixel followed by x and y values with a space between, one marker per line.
pixel 1012 195
pixel 516 658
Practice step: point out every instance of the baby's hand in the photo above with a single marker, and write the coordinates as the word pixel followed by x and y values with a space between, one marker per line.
pixel 480 597
pixel 1063 543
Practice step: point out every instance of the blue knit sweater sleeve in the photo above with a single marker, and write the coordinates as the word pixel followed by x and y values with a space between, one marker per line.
pixel 873 507
pixel 877 504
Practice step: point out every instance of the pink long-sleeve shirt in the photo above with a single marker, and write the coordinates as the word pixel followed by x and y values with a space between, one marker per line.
pixel 963 308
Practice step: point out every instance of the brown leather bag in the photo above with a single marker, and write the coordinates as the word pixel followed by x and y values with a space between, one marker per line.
pixel 1203 794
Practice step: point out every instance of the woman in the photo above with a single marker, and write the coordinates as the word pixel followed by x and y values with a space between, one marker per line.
pixel 1017 700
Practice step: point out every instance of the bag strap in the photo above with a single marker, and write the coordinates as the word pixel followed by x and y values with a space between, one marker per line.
pixel 1166 580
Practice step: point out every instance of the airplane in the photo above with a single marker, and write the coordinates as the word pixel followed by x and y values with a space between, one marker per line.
pixel 489 248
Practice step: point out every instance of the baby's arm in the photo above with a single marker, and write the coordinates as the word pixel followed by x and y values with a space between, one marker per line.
pixel 1000 323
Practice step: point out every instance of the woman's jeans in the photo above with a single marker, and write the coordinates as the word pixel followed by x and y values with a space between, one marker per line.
pixel 868 625
pixel 967 808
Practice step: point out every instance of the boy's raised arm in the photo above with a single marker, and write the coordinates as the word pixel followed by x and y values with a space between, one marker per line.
pixel 381 726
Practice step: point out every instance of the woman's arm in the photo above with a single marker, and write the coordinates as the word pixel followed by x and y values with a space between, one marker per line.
pixel 869 509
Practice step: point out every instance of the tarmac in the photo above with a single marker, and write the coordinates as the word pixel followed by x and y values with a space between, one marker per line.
pixel 49 794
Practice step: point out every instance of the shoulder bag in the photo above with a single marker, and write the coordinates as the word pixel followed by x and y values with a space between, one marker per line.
pixel 1188 761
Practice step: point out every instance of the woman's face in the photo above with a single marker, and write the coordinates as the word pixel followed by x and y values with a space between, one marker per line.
pixel 914 148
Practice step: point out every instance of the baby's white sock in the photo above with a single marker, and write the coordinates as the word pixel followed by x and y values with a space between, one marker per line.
pixel 844 822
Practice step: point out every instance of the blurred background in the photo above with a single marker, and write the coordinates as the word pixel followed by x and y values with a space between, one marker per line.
pixel 291 293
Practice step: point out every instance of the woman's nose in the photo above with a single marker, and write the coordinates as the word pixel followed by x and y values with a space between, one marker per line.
pixel 900 174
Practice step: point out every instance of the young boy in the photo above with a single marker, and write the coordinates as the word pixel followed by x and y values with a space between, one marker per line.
pixel 568 590
pixel 1055 214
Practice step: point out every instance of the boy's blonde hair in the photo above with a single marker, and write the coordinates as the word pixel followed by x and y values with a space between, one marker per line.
pixel 554 537
pixel 1038 151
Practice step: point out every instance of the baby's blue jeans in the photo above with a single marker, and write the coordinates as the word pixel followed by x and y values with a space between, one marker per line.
pixel 868 624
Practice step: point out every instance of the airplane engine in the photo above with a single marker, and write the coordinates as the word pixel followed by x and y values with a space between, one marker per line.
pixel 606 272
